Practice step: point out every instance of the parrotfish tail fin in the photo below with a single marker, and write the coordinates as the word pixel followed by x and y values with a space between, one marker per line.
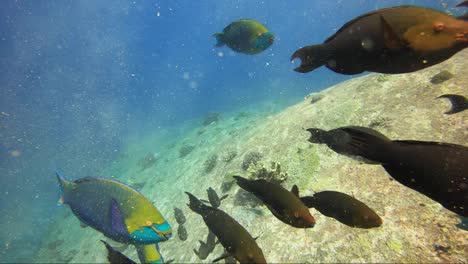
pixel 464 4
pixel 149 254
pixel 63 183
pixel 317 135
pixel 308 201
pixel 219 39
pixel 196 205
pixel 367 143
pixel 312 57
pixel 458 102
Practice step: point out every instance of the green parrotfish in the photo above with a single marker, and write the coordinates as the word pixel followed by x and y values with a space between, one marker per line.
pixel 398 39
pixel 283 204
pixel 245 36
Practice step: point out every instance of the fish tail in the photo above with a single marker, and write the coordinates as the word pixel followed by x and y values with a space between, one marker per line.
pixel 196 205
pixel 459 103
pixel 317 135
pixel 220 39
pixel 63 184
pixel 312 57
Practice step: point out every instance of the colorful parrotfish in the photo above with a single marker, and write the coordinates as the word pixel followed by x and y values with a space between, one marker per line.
pixel 117 211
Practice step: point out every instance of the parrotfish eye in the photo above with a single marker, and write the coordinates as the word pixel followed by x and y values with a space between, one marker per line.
pixel 439 26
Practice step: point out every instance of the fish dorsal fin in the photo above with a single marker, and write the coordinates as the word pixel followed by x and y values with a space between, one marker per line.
pixel 391 39
pixel 117 221
pixel 295 190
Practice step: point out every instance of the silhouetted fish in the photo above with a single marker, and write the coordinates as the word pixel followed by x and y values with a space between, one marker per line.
pixel 179 216
pixel 438 170
pixel 285 205
pixel 213 198
pixel 182 233
pixel 116 257
pixel 206 247
pixel 234 238
pixel 344 208
pixel 391 40
pixel 459 103
pixel 464 3
pixel 246 36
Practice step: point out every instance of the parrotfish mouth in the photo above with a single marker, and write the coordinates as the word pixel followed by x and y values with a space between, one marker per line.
pixel 164 234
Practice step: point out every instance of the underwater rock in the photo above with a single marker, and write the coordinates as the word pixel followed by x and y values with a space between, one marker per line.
pixel 273 174
pixel 185 150
pixel 211 118
pixel 251 158
pixel 441 77
pixel 147 162
pixel 210 163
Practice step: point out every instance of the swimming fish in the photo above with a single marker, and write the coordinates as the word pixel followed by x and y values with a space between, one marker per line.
pixel 344 208
pixel 150 254
pixel 114 209
pixel 459 103
pixel 116 257
pixel 398 39
pixel 182 233
pixel 206 247
pixel 245 36
pixel 179 216
pixel 283 204
pixel 213 198
pixel 233 236
pixel 435 169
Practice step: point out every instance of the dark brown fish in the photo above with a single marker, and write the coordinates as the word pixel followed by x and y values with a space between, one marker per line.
pixel 464 3
pixel 116 257
pixel 459 103
pixel 435 169
pixel 344 208
pixel 283 204
pixel 233 236
pixel 391 40
pixel 182 233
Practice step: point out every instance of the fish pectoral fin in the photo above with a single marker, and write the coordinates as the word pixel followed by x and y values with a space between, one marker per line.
pixel 391 39
pixel 117 221
pixel 223 256
pixel 223 197
pixel 295 190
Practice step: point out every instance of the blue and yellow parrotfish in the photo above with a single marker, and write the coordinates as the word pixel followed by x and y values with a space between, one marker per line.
pixel 117 211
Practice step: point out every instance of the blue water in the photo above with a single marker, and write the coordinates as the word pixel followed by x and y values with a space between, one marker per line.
pixel 77 78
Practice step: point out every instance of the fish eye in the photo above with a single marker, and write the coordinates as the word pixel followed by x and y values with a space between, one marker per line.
pixel 439 26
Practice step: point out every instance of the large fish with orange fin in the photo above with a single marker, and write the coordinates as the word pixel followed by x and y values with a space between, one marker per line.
pixel 398 39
